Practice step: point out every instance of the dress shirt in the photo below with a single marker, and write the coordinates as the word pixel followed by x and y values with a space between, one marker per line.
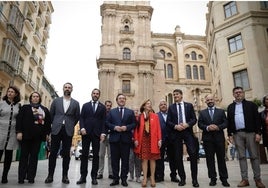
pixel 239 116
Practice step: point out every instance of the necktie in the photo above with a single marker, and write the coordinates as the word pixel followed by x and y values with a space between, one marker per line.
pixel 121 112
pixel 180 114
pixel 211 113
pixel 94 106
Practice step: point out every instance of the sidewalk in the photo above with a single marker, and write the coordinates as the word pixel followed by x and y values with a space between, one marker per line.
pixel 74 175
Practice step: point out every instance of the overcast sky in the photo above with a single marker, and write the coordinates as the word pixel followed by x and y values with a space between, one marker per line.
pixel 75 38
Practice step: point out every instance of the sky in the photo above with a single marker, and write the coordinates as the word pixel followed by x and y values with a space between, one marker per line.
pixel 75 38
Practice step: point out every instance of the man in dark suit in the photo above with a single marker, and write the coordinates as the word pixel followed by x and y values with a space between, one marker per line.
pixel 92 127
pixel 213 121
pixel 180 119
pixel 65 113
pixel 121 121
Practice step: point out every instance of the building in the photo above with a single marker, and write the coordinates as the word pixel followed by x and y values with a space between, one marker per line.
pixel 142 64
pixel 237 42
pixel 24 33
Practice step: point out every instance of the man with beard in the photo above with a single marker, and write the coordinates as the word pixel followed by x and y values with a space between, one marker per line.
pixel 92 127
pixel 65 113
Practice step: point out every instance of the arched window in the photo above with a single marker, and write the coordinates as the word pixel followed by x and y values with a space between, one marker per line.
pixel 193 54
pixel 170 71
pixel 126 28
pixel 163 53
pixel 188 72
pixel 126 54
pixel 170 99
pixel 195 72
pixel 202 72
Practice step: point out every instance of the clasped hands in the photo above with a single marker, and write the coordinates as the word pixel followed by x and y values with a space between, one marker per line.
pixel 136 143
pixel 120 128
pixel 181 126
pixel 212 127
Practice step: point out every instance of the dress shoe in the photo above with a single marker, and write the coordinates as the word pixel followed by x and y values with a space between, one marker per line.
pixel 65 180
pixel 124 183
pixel 115 182
pixel 99 176
pixel 195 183
pixel 182 183
pixel 175 179
pixel 225 184
pixel 212 183
pixel 49 179
pixel 243 183
pixel 21 181
pixel 159 179
pixel 94 181
pixel 259 184
pixel 4 180
pixel 110 177
pixel 81 181
pixel 31 181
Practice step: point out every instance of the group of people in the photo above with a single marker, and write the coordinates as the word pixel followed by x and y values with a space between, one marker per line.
pixel 144 137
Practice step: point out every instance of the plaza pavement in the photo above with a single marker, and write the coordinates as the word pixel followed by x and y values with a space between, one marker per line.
pixel 74 175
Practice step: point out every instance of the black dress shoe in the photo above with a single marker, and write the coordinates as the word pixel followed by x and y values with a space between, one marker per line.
pixel 94 181
pixel 49 179
pixel 81 181
pixel 195 183
pixel 124 183
pixel 65 180
pixel 21 182
pixel 31 181
pixel 99 176
pixel 4 180
pixel 212 183
pixel 111 177
pixel 182 183
pixel 225 184
pixel 159 179
pixel 115 182
pixel 175 179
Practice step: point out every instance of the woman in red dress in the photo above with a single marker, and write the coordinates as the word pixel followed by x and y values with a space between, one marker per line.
pixel 147 139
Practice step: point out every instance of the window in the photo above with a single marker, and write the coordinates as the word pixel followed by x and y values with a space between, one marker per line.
pixel 170 98
pixel 241 79
pixel 200 56
pixel 1 92
pixel 126 28
pixel 188 72
pixel 126 54
pixel 169 54
pixel 235 43
pixel 170 71
pixel 195 72
pixel 30 74
pixel 230 9
pixel 126 86
pixel 202 72
pixel 193 54
pixel 264 4
pixel 163 53
pixel 187 56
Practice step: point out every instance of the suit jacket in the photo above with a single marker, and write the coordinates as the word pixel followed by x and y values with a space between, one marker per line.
pixel 25 124
pixel 219 119
pixel 114 119
pixel 71 117
pixel 263 116
pixel 94 123
pixel 251 117
pixel 163 126
pixel 172 119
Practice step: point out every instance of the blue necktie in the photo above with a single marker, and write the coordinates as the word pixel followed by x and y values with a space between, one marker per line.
pixel 180 114
pixel 211 113
pixel 94 106
pixel 121 112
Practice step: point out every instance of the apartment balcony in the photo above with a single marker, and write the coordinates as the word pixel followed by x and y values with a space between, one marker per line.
pixel 21 75
pixel 46 31
pixel 48 17
pixel 126 92
pixel 40 21
pixel 40 68
pixel 30 84
pixel 32 6
pixel 34 59
pixel 37 37
pixel 43 5
pixel 3 21
pixel 25 47
pixel 43 48
pixel 6 68
pixel 29 24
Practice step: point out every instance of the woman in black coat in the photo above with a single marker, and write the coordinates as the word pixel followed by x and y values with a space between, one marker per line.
pixel 33 126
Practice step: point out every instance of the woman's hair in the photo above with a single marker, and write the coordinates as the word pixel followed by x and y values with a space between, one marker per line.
pixel 31 96
pixel 17 97
pixel 143 105
pixel 263 100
